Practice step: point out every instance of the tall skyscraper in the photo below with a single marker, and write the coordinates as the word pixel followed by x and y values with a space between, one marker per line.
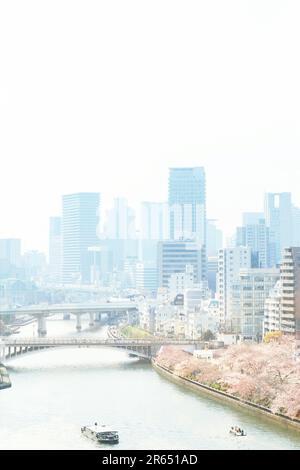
pixel 154 221
pixel 55 248
pixel 10 251
pixel 187 203
pixel 214 238
pixel 154 228
pixel 187 206
pixel 79 230
pixel 255 234
pixel 118 234
pixel 252 218
pixel 296 226
pixel 34 264
pixel 120 221
pixel 279 218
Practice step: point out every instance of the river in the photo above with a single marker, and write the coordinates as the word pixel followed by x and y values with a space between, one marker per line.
pixel 55 392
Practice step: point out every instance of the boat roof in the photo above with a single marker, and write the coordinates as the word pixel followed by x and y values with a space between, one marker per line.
pixel 100 428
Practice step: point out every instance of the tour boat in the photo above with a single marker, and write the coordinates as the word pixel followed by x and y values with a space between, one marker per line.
pixel 237 432
pixel 101 433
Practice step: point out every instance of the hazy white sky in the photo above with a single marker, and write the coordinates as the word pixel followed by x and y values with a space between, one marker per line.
pixel 106 95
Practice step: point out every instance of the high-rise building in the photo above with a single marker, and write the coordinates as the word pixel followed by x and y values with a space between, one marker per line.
pixel 146 278
pixel 250 290
pixel 174 256
pixel 290 280
pixel 80 221
pixel 154 221
pixel 187 204
pixel 129 271
pixel 279 218
pixel 296 226
pixel 55 249
pixel 230 261
pixel 10 251
pixel 212 271
pixel 34 265
pixel 154 227
pixel 214 238
pixel 187 207
pixel 255 234
pixel 282 308
pixel 120 221
pixel 252 218
pixel 118 234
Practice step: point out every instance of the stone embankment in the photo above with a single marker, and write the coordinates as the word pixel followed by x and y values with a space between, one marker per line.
pixel 198 387
pixel 227 378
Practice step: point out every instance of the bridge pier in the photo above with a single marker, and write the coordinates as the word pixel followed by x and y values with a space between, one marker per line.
pixel 66 316
pixel 42 327
pixel 92 320
pixel 2 352
pixel 78 322
pixel 98 317
pixel 130 317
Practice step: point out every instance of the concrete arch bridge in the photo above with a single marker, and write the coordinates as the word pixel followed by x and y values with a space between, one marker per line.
pixel 144 348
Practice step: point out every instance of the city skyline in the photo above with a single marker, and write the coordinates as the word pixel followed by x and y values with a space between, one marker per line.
pixel 215 86
pixel 228 227
pixel 150 227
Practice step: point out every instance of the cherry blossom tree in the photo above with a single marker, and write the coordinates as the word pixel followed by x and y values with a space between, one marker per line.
pixel 267 374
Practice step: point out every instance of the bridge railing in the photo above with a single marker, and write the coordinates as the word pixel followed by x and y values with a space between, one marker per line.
pixel 91 341
pixel 101 307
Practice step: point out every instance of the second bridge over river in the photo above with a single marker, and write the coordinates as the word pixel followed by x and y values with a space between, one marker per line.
pixel 144 348
pixel 116 309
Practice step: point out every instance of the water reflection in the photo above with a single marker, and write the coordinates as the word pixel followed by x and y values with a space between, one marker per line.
pixel 57 391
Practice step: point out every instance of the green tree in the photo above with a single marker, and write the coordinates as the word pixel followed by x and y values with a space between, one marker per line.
pixel 207 336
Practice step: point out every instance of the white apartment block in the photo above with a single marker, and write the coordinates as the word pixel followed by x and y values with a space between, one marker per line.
pixel 179 282
pixel 230 261
pixel 290 279
pixel 147 315
pixel 202 317
pixel 273 310
pixel 249 293
pixel 282 308
pixel 170 321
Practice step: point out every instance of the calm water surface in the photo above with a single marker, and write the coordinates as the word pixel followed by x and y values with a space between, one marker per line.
pixel 57 391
